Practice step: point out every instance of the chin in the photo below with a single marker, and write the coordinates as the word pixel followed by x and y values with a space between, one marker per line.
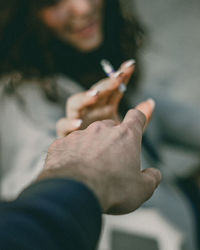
pixel 89 45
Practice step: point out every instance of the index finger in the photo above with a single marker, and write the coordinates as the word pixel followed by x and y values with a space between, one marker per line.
pixel 142 118
pixel 77 102
pixel 146 108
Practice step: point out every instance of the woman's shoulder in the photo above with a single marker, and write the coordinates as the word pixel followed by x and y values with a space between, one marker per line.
pixel 11 83
pixel 14 83
pixel 41 99
pixel 20 93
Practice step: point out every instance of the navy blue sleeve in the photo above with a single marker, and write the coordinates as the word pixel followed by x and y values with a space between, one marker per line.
pixel 51 214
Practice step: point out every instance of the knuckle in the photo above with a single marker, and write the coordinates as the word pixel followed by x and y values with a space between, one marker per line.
pixel 108 121
pixel 107 111
pixel 137 115
pixel 132 112
pixel 140 117
pixel 138 126
pixel 74 133
pixel 139 121
pixel 125 129
pixel 54 144
pixel 96 126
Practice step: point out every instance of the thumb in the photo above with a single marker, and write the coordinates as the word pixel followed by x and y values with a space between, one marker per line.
pixel 65 126
pixel 151 179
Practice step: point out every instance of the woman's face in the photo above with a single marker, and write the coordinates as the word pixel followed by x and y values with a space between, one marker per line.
pixel 78 22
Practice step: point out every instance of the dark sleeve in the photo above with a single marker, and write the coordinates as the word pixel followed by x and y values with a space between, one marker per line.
pixel 52 214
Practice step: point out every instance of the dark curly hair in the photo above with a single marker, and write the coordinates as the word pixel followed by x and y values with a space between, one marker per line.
pixel 28 47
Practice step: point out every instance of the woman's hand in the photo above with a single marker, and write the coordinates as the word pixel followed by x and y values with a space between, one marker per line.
pixel 100 102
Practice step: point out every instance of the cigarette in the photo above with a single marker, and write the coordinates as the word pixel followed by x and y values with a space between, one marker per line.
pixel 109 70
pixel 107 67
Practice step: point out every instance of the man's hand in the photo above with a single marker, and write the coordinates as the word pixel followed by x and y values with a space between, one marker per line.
pixel 106 158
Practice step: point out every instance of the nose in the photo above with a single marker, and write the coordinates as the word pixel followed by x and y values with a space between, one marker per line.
pixel 81 7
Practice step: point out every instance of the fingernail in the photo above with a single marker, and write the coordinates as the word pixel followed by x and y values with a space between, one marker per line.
pixel 117 74
pixel 122 88
pixel 78 123
pixel 152 102
pixel 129 63
pixel 93 92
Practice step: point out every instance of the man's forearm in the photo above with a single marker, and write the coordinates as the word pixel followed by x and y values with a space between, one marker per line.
pixel 51 214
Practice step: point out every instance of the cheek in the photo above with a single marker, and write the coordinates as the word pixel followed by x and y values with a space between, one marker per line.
pixel 52 18
pixel 99 3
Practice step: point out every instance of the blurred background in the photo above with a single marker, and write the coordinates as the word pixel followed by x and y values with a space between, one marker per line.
pixel 171 57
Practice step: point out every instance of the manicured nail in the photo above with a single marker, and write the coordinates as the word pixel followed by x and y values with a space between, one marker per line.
pixel 122 88
pixel 129 63
pixel 78 123
pixel 152 102
pixel 117 74
pixel 92 92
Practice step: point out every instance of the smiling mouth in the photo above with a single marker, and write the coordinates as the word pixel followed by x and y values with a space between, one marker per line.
pixel 86 30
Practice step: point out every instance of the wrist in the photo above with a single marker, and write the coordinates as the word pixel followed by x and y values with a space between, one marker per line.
pixel 100 191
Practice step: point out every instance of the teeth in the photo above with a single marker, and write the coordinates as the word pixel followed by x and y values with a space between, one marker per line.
pixel 129 63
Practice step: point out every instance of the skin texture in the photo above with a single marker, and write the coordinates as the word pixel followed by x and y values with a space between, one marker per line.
pixel 79 22
pixel 106 158
pixel 87 108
